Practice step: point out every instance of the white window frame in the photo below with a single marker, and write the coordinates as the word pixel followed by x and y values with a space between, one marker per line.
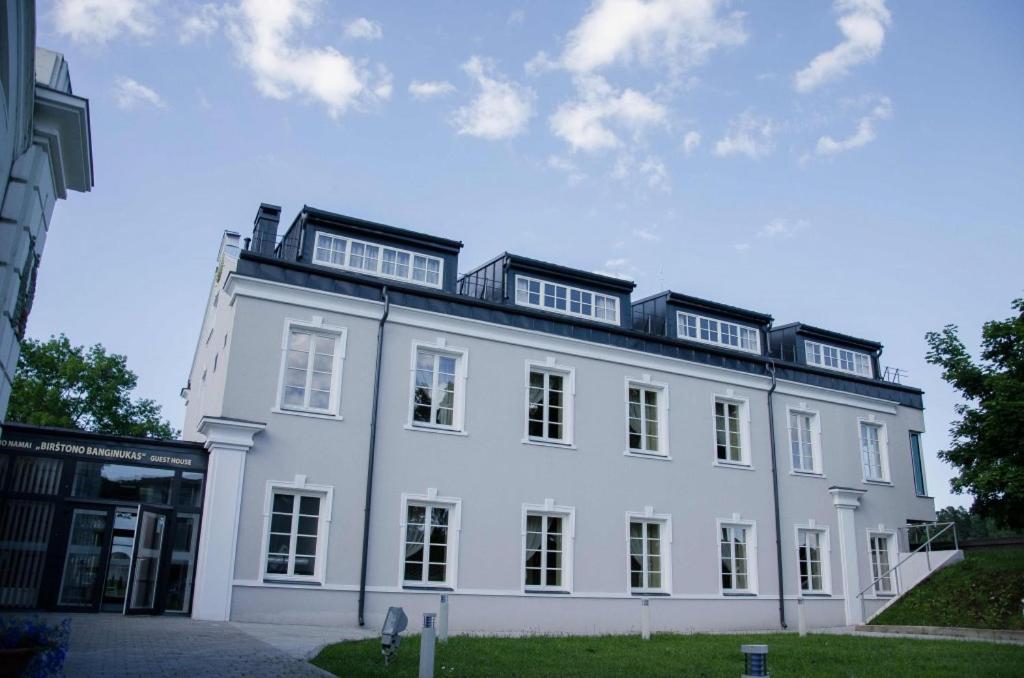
pixel 568 374
pixel 826 558
pixel 883 450
pixel 744 423
pixel 700 320
pixel 298 487
pixel 316 325
pixel 819 361
pixel 751 542
pixel 665 521
pixel 817 467
pixel 569 289
pixel 568 516
pixel 664 407
pixel 379 270
pixel 461 356
pixel 454 506
pixel 892 555
pixel 920 455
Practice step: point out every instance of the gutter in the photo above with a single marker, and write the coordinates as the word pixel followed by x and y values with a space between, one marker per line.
pixel 371 452
pixel 770 367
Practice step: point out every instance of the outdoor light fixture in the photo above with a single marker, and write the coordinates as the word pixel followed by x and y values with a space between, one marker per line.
pixel 755 660
pixel 394 623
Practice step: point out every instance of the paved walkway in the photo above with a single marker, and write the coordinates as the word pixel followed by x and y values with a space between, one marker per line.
pixel 112 645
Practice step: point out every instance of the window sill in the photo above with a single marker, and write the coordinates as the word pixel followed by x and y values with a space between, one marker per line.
pixel 733 465
pixel 739 594
pixel 292 582
pixel 814 595
pixel 418 587
pixel 546 592
pixel 882 483
pixel 650 594
pixel 305 413
pixel 430 429
pixel 647 455
pixel 808 474
pixel 548 443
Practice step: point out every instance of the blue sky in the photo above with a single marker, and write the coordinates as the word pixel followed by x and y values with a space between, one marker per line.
pixel 854 165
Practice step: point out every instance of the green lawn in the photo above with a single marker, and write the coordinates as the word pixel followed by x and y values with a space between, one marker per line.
pixel 982 592
pixel 675 655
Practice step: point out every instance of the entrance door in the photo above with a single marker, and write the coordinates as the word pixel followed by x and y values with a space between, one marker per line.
pixel 147 582
pixel 85 558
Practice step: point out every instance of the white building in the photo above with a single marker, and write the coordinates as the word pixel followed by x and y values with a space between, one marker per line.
pixel 45 151
pixel 539 445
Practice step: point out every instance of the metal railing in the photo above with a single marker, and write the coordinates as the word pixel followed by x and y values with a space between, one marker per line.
pixel 929 538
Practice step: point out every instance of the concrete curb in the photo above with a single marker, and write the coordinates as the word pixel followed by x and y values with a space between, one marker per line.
pixel 1002 635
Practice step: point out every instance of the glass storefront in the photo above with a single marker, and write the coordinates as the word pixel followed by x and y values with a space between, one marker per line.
pixel 98 523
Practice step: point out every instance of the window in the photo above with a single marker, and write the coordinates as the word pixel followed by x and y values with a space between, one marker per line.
pixel 812 557
pixel 437 390
pixel 649 546
pixel 549 404
pixel 730 432
pixel 918 464
pixel 430 529
pixel 720 332
pixel 567 300
pixel 804 442
pixel 311 368
pixel 881 544
pixel 646 417
pixel 544 551
pixel 872 452
pixel 840 359
pixel 737 557
pixel 387 262
pixel 294 536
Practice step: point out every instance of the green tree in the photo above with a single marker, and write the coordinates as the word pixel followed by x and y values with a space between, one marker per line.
pixel 972 526
pixel 988 439
pixel 58 384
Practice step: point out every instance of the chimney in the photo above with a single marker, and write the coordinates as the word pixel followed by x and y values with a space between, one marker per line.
pixel 264 229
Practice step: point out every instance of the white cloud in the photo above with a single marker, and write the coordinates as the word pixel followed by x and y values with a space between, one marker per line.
pixel 619 267
pixel 691 140
pixel 616 263
pixel 678 32
pixel 863 24
pixel 748 135
pixel 264 33
pixel 782 228
pixel 516 17
pixel 651 170
pixel 363 29
pixel 128 94
pixel 646 234
pixel 573 175
pixel 202 24
pixel 501 110
pixel 540 63
pixel 583 122
pixel 882 110
pixel 427 90
pixel 742 246
pixel 100 21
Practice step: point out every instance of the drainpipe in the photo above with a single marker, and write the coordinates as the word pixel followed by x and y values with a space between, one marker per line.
pixel 775 492
pixel 371 452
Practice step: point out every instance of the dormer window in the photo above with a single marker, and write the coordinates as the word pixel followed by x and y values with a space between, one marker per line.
pixel 720 332
pixel 840 359
pixel 379 260
pixel 567 300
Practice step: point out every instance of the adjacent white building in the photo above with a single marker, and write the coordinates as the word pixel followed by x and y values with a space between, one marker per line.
pixel 45 151
pixel 532 441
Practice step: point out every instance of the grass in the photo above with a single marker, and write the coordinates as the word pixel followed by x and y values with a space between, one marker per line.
pixel 676 655
pixel 983 592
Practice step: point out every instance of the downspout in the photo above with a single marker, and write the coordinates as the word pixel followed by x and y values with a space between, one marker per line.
pixel 770 366
pixel 371 452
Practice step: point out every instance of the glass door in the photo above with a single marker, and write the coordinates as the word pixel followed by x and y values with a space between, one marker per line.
pixel 88 536
pixel 147 581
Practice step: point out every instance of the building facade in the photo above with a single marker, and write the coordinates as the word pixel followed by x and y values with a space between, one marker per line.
pixel 45 151
pixel 532 441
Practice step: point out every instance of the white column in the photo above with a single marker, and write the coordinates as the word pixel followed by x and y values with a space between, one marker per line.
pixel 228 441
pixel 847 500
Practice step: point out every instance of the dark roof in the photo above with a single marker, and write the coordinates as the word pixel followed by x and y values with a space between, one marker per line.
pixel 544 267
pixel 714 306
pixel 107 437
pixel 372 227
pixel 829 335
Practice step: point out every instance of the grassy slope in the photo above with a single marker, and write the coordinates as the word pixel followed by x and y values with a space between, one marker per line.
pixel 984 591
pixel 673 655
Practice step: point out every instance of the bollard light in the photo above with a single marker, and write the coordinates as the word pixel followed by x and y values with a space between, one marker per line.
pixel 442 620
pixel 645 619
pixel 427 645
pixel 394 623
pixel 755 660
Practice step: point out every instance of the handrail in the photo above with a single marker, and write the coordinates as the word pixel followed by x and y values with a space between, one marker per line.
pixel 907 557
